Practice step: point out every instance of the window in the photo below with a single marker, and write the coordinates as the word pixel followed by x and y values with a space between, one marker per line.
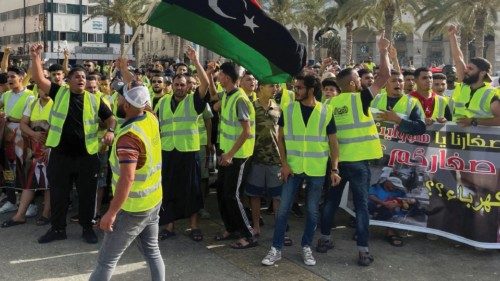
pixel 90 37
pixel 99 38
pixel 62 36
pixel 62 8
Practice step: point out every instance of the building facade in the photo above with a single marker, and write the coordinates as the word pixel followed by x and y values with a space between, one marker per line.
pixel 59 25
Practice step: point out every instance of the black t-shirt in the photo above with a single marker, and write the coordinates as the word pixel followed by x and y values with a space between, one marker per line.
pixel 73 136
pixel 306 113
pixel 199 103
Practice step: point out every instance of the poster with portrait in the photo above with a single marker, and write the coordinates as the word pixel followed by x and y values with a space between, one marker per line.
pixel 444 182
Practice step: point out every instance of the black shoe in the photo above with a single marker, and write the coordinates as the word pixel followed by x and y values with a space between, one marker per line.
pixel 89 236
pixel 52 235
pixel 324 245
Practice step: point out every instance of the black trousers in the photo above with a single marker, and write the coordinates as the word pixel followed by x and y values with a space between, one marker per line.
pixel 231 179
pixel 62 172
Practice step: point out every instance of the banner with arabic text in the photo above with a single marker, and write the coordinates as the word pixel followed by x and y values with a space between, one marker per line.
pixel 448 183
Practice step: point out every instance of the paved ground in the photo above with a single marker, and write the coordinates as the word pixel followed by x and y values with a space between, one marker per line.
pixel 22 258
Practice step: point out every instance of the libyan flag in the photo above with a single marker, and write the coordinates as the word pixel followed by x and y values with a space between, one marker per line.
pixel 238 30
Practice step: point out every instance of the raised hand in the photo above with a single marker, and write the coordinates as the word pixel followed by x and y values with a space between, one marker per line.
pixel 7 50
pixel 383 43
pixel 393 53
pixel 66 53
pixel 191 54
pixel 452 30
pixel 36 50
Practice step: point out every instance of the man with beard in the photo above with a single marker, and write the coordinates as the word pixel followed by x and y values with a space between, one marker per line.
pixel 476 103
pixel 158 86
pixel 358 144
pixel 73 138
pixel 180 140
pixel 133 213
pixel 367 78
pixel 435 107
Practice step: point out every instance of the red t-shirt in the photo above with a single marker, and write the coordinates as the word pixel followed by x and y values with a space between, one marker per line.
pixel 426 103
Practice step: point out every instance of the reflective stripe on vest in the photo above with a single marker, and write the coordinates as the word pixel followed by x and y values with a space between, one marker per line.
pixel 357 134
pixel 146 190
pixel 230 127
pixel 90 120
pixel 479 105
pixel 16 111
pixel 179 129
pixel 307 147
pixel 404 105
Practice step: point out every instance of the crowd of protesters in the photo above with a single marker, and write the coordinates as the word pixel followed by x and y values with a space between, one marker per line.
pixel 271 141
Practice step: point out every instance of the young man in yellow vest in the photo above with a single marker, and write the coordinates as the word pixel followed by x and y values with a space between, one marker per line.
pixel 74 122
pixel 359 143
pixel 306 138
pixel 14 102
pixel 475 102
pixel 133 213
pixel 237 139
pixel 178 115
pixel 249 84
pixel 35 125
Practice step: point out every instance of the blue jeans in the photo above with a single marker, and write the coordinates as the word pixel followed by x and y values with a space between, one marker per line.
pixel 358 175
pixel 314 185
pixel 141 227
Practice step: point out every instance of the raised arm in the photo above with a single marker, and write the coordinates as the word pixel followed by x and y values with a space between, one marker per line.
pixel 66 62
pixel 456 53
pixel 393 56
pixel 127 76
pixel 37 69
pixel 202 75
pixel 5 60
pixel 384 68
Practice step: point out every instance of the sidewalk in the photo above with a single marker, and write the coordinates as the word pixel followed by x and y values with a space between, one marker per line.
pixel 22 258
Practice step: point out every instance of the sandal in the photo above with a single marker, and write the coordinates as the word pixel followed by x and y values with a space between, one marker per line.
pixel 394 240
pixel 195 235
pixel 239 246
pixel 165 234
pixel 221 237
pixel 42 221
pixel 11 222
pixel 287 241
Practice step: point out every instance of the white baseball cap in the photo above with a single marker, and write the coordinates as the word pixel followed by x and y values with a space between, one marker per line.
pixel 138 96
pixel 397 182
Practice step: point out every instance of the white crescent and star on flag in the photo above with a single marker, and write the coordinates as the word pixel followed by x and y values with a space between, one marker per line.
pixel 249 21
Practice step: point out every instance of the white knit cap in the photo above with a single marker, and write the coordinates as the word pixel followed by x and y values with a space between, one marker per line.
pixel 138 97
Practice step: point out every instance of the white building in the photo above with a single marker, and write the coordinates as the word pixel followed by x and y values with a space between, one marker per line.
pixel 59 25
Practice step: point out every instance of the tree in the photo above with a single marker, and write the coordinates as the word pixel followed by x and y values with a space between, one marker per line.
pixel 121 12
pixel 387 11
pixel 333 16
pixel 281 10
pixel 474 17
pixel 308 13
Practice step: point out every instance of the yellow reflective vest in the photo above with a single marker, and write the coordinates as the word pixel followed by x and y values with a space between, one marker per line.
pixel 146 191
pixel 59 113
pixel 230 127
pixel 17 110
pixel 356 133
pixel 479 106
pixel 179 129
pixel 405 104
pixel 307 147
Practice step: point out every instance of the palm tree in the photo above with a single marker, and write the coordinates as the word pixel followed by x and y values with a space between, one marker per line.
pixel 474 17
pixel 281 11
pixel 334 17
pixel 388 11
pixel 121 12
pixel 308 14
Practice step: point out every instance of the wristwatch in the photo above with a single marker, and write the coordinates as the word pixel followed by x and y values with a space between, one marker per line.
pixel 336 171
pixel 473 122
pixel 111 130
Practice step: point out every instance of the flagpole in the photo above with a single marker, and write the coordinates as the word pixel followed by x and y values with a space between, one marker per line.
pixel 141 26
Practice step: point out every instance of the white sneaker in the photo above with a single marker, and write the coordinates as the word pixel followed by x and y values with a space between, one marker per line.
pixel 273 256
pixel 32 211
pixel 307 255
pixel 8 207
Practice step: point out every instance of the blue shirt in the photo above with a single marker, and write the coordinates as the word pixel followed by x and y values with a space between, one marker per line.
pixel 381 193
